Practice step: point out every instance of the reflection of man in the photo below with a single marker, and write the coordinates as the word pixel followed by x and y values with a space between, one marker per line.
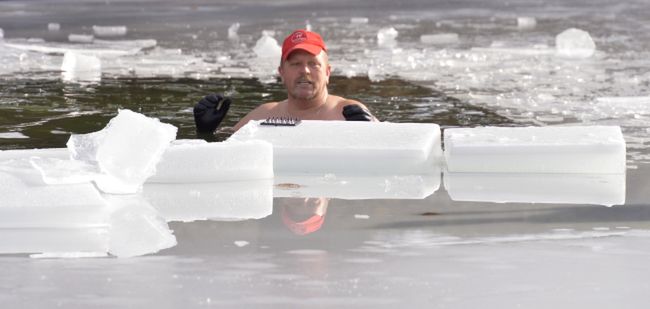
pixel 305 72
pixel 303 215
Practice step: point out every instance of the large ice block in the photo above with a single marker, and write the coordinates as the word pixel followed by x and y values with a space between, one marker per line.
pixel 236 200
pixel 598 189
pixel 214 162
pixel 349 147
pixel 584 149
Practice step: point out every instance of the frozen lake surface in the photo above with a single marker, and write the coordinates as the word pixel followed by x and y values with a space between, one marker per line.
pixel 382 242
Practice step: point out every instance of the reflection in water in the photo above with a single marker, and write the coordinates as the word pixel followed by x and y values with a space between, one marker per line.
pixel 599 189
pixel 303 216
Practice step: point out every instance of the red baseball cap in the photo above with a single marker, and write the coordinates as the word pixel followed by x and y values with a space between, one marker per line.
pixel 308 41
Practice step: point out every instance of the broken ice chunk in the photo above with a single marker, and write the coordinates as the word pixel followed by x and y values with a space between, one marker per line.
pixel 2 34
pixel 110 30
pixel 53 27
pixel 587 149
pixel 359 20
pixel 440 38
pixel 267 47
pixel 80 67
pixel 129 150
pixel 574 43
pixel 387 37
pixel 526 23
pixel 81 38
pixel 232 32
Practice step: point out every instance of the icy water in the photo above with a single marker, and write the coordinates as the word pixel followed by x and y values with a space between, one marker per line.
pixel 384 242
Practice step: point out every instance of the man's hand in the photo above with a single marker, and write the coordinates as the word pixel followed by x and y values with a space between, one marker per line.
pixel 210 111
pixel 354 112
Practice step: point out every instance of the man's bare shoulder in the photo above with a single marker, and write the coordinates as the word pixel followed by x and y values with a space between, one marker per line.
pixel 261 112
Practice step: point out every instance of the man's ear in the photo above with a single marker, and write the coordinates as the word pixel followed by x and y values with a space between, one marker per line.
pixel 328 72
pixel 281 72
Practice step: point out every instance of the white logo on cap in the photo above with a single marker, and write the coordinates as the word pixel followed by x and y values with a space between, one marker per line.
pixel 298 37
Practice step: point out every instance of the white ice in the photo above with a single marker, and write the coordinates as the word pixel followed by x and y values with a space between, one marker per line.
pixel 387 37
pixel 81 38
pixel 78 67
pixel 526 23
pixel 359 20
pixel 130 149
pixel 349 147
pixel 580 149
pixel 54 27
pixel 232 31
pixel 110 31
pixel 2 33
pixel 210 162
pixel 439 38
pixel 574 43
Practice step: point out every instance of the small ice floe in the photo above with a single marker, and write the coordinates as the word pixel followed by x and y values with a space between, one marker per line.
pixel 526 23
pixel 387 37
pixel 13 135
pixel 359 20
pixel 232 32
pixel 77 67
pixel 53 27
pixel 440 38
pixel 363 217
pixel 574 43
pixel 2 33
pixel 81 38
pixel 241 243
pixel 109 31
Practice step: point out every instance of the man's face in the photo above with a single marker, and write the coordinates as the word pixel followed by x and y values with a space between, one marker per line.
pixel 304 75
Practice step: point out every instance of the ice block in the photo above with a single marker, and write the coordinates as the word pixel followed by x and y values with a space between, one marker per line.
pixel 186 162
pixel 349 147
pixel 581 149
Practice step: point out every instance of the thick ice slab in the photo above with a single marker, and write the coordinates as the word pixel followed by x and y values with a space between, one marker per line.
pixel 588 149
pixel 54 241
pixel 215 162
pixel 599 189
pixel 350 147
pixel 237 200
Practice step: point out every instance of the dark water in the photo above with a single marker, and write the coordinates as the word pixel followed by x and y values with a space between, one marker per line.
pixel 49 111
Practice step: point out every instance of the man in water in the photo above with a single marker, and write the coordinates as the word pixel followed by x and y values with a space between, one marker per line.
pixel 305 72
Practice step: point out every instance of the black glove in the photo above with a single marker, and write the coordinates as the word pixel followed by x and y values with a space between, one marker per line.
pixel 354 112
pixel 210 111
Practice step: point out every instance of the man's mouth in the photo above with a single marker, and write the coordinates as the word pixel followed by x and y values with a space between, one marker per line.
pixel 303 82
